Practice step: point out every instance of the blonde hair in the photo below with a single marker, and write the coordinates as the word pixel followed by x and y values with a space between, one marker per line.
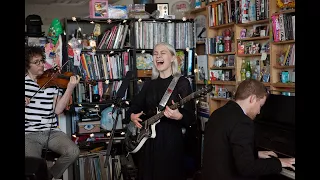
pixel 174 64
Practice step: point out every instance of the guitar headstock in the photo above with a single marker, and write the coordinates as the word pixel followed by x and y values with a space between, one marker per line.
pixel 207 89
pixel 204 90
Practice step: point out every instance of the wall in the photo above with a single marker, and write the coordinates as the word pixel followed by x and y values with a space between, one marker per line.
pixel 48 13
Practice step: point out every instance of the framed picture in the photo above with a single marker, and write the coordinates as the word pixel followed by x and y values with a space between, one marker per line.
pixel 98 8
pixel 163 8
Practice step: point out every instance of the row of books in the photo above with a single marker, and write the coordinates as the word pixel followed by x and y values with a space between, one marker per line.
pixel 238 11
pixel 287 58
pixel 84 93
pixel 221 13
pixel 92 167
pixel 115 37
pixel 212 44
pixel 104 66
pixel 178 34
pixel 283 27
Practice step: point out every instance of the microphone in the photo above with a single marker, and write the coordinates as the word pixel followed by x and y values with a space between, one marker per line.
pixel 124 85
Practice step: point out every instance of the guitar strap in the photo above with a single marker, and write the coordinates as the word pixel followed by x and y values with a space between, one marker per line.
pixel 168 92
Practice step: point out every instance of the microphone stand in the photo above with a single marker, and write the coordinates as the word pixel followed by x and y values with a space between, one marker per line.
pixel 118 104
pixel 112 176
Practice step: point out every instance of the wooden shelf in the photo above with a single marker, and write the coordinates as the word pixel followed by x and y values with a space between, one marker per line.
pixel 221 26
pixel 283 85
pixel 197 10
pixel 249 55
pixel 274 48
pixel 222 54
pixel 284 67
pixel 144 73
pixel 285 12
pixel 200 82
pixel 224 82
pixel 253 23
pixel 200 42
pixel 266 84
pixel 283 90
pixel 254 38
pixel 284 42
pixel 216 2
pixel 106 50
pixel 220 99
pixel 221 68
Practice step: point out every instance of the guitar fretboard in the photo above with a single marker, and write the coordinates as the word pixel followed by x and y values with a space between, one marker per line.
pixel 158 116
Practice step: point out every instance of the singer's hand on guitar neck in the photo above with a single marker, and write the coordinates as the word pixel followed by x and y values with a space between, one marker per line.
pixel 135 118
pixel 173 114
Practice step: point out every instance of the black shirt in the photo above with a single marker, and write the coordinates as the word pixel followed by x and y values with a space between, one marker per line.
pixel 161 158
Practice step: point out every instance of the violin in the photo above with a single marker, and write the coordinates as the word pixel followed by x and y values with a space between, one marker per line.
pixel 52 77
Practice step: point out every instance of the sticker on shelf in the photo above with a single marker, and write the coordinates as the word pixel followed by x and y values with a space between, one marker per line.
pixel 263 56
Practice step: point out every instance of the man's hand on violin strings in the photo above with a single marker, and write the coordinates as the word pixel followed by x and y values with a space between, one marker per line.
pixel 74 80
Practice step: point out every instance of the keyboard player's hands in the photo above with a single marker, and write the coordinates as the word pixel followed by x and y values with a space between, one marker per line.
pixel 266 154
pixel 288 162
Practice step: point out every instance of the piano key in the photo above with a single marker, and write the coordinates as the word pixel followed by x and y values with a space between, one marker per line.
pixel 288 173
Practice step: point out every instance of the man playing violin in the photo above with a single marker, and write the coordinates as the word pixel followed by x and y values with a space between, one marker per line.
pixel 41 108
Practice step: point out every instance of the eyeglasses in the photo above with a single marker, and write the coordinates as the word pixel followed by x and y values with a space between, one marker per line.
pixel 37 62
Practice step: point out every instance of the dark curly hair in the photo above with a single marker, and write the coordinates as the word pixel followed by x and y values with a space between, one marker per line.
pixel 31 51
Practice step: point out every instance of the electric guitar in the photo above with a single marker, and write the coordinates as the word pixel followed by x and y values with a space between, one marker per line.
pixel 135 137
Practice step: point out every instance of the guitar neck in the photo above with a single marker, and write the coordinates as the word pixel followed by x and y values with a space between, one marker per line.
pixel 158 116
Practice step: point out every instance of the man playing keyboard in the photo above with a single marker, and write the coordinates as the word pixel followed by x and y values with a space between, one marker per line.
pixel 229 150
pixel 287 163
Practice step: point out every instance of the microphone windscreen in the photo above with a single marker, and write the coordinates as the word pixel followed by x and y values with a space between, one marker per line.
pixel 124 85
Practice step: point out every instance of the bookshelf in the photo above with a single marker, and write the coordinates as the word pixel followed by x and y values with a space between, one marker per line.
pixel 140 37
pixel 110 62
pixel 268 59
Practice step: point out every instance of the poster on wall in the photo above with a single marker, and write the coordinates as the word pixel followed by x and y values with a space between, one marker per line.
pixel 200 28
pixel 53 54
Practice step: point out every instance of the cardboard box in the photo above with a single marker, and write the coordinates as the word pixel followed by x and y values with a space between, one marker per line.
pixel 88 127
pixel 98 8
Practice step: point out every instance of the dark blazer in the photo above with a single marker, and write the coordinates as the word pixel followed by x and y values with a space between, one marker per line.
pixel 229 151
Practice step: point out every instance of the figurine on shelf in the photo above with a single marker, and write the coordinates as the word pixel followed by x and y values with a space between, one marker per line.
pixel 286 4
pixel 227 40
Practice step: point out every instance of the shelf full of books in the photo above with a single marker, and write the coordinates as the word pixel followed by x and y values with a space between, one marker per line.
pixel 178 34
